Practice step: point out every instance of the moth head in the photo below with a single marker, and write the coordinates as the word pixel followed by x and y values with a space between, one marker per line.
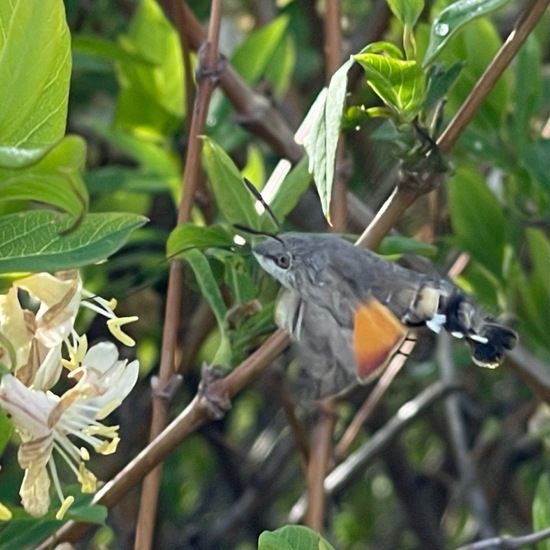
pixel 295 260
pixel 276 257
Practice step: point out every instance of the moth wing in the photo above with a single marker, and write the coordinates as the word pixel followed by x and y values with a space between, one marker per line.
pixel 326 363
pixel 377 335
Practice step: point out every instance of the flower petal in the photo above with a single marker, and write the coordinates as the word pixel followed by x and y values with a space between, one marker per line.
pixel 29 409
pixel 14 329
pixel 35 489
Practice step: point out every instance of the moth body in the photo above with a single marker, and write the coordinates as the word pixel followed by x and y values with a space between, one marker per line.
pixel 350 310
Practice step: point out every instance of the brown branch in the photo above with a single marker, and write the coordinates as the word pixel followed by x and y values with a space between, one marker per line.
pixel 333 60
pixel 409 190
pixel 207 81
pixel 322 430
pixel 466 468
pixel 531 370
pixel 372 401
pixel 507 542
pixel 255 111
pixel 345 474
pixel 526 23
pixel 320 455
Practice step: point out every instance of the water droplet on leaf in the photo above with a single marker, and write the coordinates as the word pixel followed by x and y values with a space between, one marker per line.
pixel 442 29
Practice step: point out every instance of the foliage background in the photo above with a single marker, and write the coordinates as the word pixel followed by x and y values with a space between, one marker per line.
pixel 238 476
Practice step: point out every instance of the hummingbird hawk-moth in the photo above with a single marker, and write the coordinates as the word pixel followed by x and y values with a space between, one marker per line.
pixel 350 310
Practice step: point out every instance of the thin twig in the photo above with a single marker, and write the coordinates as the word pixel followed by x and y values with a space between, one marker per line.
pixel 207 81
pixel 529 18
pixel 507 542
pixel 322 430
pixel 532 371
pixel 319 458
pixel 465 466
pixel 345 473
pixel 373 400
pixel 255 111
pixel 333 60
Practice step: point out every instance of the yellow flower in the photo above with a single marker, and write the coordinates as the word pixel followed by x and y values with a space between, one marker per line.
pixel 45 422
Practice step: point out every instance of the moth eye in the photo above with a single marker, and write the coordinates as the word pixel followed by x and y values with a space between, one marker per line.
pixel 282 261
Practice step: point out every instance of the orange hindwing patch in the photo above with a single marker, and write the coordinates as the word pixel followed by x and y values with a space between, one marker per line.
pixel 377 335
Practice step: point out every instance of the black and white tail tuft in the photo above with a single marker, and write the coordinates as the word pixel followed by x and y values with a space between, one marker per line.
pixel 488 339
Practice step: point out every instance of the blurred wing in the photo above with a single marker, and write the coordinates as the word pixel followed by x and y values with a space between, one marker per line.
pixel 377 335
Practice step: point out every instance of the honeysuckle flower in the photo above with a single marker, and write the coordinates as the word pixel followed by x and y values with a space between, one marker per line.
pixel 48 423
pixel 30 343
pixel 21 353
pixel 59 297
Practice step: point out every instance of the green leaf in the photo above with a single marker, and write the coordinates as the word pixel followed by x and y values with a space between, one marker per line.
pixel 55 179
pixel 151 97
pixel 280 69
pixel 207 283
pixel 532 287
pixel 454 17
pixel 292 537
pixel 288 192
pixel 399 83
pixel 35 241
pixel 407 11
pixel 252 58
pixel 240 282
pixel 186 236
pixel 440 81
pixel 394 245
pixel 322 138
pixel 528 91
pixel 383 47
pixel 19 157
pixel 5 431
pixel 106 49
pixel 235 202
pixel 87 513
pixel 24 531
pixel 35 68
pixel 477 219
pixel 254 169
pixel 541 509
pixel 108 179
pixel 149 151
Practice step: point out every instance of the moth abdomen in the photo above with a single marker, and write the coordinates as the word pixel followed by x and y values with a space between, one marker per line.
pixel 488 339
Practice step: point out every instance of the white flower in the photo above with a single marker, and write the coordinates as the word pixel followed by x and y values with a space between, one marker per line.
pixel 30 344
pixel 15 341
pixel 59 297
pixel 45 422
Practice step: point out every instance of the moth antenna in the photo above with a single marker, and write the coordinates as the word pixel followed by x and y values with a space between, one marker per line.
pixel 251 231
pixel 258 196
